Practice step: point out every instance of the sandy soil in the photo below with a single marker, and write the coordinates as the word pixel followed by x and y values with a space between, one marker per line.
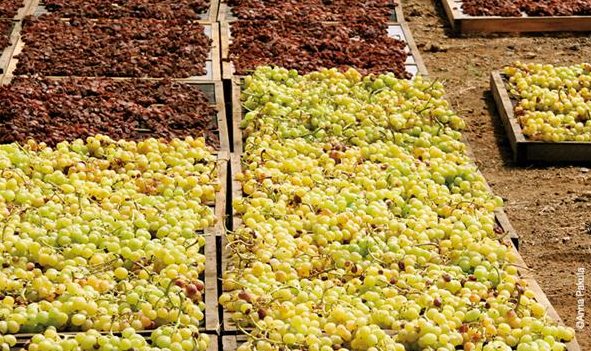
pixel 550 207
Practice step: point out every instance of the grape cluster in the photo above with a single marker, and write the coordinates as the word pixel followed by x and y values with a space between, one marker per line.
pixel 365 225
pixel 102 236
pixel 553 103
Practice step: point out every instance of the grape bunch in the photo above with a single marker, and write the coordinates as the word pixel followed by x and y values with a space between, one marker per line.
pixel 366 226
pixel 103 236
pixel 552 102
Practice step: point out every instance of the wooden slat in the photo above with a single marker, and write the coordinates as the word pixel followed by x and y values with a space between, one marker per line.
pixel 464 23
pixel 530 151
pixel 414 64
pixel 212 64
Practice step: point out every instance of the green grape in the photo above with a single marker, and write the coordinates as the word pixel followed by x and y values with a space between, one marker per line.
pixel 366 226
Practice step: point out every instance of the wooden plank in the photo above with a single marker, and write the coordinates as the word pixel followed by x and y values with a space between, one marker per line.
pixel 414 63
pixel 228 325
pixel 465 23
pixel 532 151
pixel 212 65
pixel 237 117
pixel 220 200
pixel 229 343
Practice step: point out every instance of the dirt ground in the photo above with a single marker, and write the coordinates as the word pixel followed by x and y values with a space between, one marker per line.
pixel 550 207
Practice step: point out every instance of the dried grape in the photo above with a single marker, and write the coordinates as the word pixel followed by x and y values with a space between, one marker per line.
pixel 113 48
pixel 56 110
pixel 9 8
pixel 516 8
pixel 161 9
pixel 287 11
pixel 5 27
pixel 310 46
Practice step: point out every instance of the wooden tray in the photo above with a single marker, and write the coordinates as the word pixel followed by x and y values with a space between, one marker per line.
pixel 225 14
pixel 210 15
pixel 212 65
pixel 525 150
pixel 464 23
pixel 414 62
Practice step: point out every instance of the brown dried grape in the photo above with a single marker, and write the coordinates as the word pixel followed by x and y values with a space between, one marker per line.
pixel 516 8
pixel 156 9
pixel 288 11
pixel 5 28
pixel 307 47
pixel 55 110
pixel 9 8
pixel 113 48
pixel 346 3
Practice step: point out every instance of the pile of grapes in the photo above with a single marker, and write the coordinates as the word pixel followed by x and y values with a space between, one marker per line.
pixel 9 8
pixel 552 102
pixel 126 47
pixel 5 28
pixel 365 225
pixel 161 9
pixel 287 10
pixel 102 236
pixel 517 8
pixel 308 46
pixel 67 109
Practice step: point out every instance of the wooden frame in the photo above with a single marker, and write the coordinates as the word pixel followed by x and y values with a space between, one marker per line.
pixel 225 13
pixel 210 16
pixel 414 63
pixel 233 338
pixel 525 150
pixel 464 23
pixel 212 64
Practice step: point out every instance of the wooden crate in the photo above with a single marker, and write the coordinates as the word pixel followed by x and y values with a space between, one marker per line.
pixel 214 344
pixel 464 23
pixel 210 16
pixel 414 63
pixel 233 337
pixel 532 151
pixel 225 14
pixel 212 65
